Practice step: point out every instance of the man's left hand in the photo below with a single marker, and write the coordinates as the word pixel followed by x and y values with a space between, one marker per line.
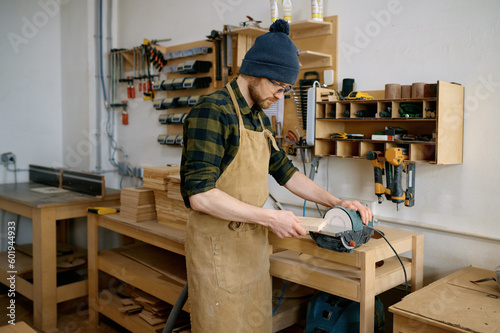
pixel 365 212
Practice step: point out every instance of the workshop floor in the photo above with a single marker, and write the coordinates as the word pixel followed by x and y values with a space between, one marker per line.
pixel 73 317
pixel 73 314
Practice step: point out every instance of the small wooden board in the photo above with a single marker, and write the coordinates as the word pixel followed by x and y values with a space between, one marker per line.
pixel 314 224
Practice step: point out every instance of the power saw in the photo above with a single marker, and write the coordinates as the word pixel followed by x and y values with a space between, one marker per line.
pixel 340 229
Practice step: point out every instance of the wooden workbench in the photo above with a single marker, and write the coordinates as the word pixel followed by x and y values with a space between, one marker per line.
pixel 45 210
pixel 145 278
pixel 451 304
pixel 351 275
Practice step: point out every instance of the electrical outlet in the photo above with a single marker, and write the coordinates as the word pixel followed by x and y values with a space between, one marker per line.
pixel 8 158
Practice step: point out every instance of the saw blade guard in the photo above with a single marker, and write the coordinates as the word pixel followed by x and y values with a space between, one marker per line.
pixel 344 230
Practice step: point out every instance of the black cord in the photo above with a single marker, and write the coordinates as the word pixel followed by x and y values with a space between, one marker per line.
pixel 401 262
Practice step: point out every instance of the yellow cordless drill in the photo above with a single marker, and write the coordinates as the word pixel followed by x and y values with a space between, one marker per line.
pixel 377 158
pixel 395 165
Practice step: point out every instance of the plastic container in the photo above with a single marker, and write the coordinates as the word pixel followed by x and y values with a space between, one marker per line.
pixel 287 10
pixel 315 10
pixel 274 10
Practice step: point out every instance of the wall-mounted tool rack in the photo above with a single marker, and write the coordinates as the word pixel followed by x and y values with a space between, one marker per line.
pixel 190 73
pixel 137 68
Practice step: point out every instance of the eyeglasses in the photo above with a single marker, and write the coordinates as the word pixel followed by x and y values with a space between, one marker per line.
pixel 283 89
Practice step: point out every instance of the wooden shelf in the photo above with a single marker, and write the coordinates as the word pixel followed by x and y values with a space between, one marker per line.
pixel 108 305
pixel 310 28
pixel 445 125
pixel 311 59
pixel 140 276
pixel 249 31
pixel 328 276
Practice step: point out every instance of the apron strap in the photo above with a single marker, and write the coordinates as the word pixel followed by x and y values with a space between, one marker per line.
pixel 267 133
pixel 236 106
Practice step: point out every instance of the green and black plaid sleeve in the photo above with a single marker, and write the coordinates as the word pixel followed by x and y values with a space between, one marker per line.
pixel 211 141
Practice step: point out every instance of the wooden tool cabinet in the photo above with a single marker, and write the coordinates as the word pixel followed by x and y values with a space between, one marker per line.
pixel 447 126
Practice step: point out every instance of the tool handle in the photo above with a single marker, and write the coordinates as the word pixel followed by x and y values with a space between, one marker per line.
pixel 410 185
pixel 397 194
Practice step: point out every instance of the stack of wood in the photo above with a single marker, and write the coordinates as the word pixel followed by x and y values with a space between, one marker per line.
pixel 137 204
pixel 153 310
pixel 129 306
pixel 156 178
pixel 170 208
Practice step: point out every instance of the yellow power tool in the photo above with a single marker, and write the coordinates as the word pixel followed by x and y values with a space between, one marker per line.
pixel 396 162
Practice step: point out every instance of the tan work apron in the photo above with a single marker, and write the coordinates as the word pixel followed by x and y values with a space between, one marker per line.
pixel 228 261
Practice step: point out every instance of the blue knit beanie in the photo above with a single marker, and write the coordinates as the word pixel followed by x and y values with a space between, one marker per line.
pixel 273 55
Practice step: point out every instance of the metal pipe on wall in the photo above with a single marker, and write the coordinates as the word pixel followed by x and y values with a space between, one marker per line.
pixel 98 87
pixel 434 227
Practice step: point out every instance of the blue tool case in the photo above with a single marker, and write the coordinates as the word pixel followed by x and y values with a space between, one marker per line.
pixel 327 313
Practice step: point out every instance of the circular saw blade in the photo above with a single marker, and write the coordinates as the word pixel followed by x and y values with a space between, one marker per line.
pixel 337 221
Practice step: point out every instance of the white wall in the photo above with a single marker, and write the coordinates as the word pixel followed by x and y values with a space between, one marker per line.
pixel 30 85
pixel 380 42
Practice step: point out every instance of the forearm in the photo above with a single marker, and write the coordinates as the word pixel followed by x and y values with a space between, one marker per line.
pixel 220 204
pixel 305 188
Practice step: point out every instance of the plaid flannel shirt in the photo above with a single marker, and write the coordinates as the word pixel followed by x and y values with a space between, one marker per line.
pixel 211 141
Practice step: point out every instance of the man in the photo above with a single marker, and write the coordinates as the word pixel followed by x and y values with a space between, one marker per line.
pixel 228 152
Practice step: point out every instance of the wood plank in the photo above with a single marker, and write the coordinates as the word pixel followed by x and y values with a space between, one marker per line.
pixel 170 264
pixel 308 246
pixel 314 224
pixel 93 272
pixel 109 304
pixel 453 305
pixel 287 265
pixel 309 28
pixel 24 263
pixel 140 276
pixel 73 290
pixel 290 312
pixel 44 269
pixel 417 266
pixel 19 327
pixel 408 322
pixel 367 293
pixel 450 123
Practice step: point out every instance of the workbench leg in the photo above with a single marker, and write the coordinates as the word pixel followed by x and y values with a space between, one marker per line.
pixel 367 293
pixel 417 262
pixel 44 269
pixel 93 272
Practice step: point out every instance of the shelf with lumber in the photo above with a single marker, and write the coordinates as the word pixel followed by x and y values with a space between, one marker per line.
pixel 109 304
pixel 141 276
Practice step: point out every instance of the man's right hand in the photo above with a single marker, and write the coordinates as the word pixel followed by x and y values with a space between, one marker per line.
pixel 284 223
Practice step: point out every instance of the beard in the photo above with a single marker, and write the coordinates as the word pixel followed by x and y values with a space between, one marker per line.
pixel 262 102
